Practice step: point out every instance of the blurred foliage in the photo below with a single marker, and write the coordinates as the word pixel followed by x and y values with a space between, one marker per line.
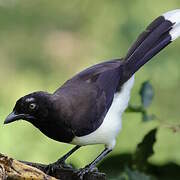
pixel 144 150
pixel 146 93
pixel 135 166
pixel 44 43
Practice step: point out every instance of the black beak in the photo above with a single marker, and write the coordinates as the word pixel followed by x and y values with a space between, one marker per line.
pixel 13 117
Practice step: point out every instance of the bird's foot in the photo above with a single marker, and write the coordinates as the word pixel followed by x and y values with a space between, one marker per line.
pixel 51 168
pixel 85 170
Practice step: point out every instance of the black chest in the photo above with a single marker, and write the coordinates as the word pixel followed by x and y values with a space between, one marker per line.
pixel 56 132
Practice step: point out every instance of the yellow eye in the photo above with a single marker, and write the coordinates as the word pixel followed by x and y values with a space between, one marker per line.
pixel 32 106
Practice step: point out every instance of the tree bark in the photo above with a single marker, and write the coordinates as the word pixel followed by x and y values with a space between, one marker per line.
pixel 16 170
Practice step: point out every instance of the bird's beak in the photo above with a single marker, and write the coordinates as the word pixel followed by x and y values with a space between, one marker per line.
pixel 13 117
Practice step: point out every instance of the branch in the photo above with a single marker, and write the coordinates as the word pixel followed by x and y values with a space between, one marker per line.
pixel 13 169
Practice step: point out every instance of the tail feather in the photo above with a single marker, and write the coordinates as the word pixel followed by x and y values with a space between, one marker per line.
pixel 144 34
pixel 161 32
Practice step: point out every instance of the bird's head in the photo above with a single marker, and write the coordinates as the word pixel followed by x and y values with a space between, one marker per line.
pixel 33 107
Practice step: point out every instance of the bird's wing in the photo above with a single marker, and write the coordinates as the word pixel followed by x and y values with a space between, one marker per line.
pixel 87 97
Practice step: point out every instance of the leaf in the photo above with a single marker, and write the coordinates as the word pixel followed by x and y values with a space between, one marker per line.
pixel 135 108
pixel 145 150
pixel 130 174
pixel 147 117
pixel 136 175
pixel 147 94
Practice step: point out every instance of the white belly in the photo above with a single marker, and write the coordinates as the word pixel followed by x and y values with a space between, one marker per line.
pixel 109 129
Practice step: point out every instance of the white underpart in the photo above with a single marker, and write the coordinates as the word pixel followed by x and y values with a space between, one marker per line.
pixel 174 17
pixel 109 129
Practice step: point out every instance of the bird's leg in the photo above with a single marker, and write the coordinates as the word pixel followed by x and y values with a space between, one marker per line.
pixel 90 167
pixel 61 161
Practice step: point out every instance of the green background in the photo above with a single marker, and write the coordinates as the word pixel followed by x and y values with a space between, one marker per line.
pixel 43 43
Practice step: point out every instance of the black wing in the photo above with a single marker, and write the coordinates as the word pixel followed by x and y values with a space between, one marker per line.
pixel 86 98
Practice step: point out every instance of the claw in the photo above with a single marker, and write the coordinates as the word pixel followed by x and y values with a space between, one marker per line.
pixel 83 171
pixel 51 168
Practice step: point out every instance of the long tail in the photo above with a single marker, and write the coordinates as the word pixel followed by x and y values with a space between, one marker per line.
pixel 161 32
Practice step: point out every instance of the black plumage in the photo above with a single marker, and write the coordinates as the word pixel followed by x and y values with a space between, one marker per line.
pixel 79 107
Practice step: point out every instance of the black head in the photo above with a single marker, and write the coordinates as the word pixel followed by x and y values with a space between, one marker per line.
pixel 33 107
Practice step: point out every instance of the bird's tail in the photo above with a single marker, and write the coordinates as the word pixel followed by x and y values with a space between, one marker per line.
pixel 161 32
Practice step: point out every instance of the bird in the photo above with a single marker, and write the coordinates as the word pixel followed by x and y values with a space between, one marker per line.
pixel 87 109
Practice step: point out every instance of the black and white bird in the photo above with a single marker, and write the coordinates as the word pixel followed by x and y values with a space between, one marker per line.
pixel 87 109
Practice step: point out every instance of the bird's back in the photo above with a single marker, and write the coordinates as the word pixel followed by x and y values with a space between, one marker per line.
pixel 87 97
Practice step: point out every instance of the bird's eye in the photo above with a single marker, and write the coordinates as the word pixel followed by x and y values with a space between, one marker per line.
pixel 32 106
